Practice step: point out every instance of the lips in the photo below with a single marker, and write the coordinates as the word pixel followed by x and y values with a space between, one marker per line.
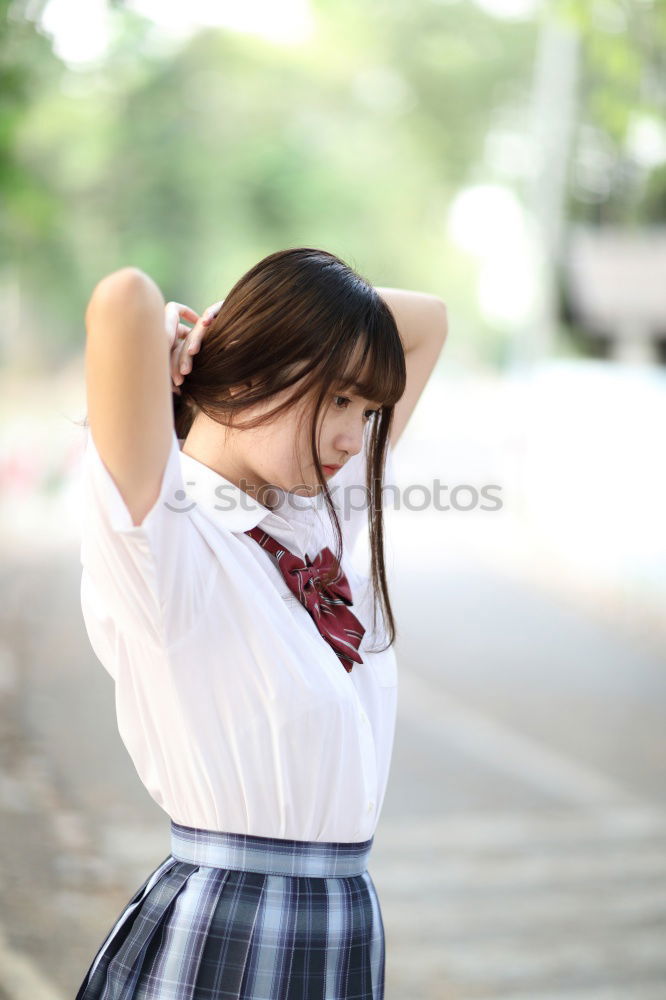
pixel 331 468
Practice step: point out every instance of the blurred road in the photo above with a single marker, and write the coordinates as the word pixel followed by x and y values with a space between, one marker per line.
pixel 521 851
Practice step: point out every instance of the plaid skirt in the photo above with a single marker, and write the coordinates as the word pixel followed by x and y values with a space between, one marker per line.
pixel 229 916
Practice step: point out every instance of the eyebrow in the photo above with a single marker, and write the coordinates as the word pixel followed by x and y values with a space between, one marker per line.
pixel 357 388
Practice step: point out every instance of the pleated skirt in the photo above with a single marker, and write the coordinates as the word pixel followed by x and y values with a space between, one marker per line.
pixel 229 916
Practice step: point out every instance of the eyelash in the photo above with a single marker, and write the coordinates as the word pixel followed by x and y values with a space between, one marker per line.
pixel 347 400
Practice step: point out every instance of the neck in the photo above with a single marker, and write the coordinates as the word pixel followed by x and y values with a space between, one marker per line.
pixel 208 443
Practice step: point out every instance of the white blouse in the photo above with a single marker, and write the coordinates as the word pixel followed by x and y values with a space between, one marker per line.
pixel 236 712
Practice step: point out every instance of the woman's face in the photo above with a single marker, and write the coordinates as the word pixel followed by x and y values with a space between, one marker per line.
pixel 278 453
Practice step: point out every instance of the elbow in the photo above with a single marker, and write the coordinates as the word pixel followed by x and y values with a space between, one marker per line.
pixel 126 289
pixel 441 320
pixel 124 280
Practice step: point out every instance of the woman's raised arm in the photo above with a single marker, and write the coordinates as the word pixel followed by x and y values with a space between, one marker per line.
pixel 423 325
pixel 128 384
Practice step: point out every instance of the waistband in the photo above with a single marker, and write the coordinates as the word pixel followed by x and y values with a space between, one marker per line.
pixel 271 855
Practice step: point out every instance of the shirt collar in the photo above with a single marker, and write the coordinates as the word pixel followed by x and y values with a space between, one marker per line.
pixel 235 510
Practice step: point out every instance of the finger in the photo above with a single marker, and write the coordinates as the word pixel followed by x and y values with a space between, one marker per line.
pixel 176 357
pixel 195 338
pixel 185 361
pixel 171 320
pixel 186 312
pixel 195 343
pixel 211 312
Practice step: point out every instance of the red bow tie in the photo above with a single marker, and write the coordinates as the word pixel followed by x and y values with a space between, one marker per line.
pixel 327 605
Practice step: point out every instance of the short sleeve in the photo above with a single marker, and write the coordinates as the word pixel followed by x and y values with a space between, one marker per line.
pixel 150 578
pixel 352 496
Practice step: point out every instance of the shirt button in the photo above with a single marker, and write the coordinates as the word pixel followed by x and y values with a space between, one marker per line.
pixel 364 717
pixel 371 806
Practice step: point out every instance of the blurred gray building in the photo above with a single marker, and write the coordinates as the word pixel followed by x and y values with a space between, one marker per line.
pixel 614 287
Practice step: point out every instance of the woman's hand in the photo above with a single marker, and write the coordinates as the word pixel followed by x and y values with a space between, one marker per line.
pixel 184 341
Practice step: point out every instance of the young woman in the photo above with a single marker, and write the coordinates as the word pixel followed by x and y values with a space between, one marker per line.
pixel 255 677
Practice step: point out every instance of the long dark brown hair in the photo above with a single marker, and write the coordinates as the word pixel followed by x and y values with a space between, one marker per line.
pixel 303 314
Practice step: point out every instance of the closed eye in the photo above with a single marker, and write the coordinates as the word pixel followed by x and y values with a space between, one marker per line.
pixel 368 413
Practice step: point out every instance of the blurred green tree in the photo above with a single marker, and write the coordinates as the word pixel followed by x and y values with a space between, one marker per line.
pixel 194 157
pixel 617 170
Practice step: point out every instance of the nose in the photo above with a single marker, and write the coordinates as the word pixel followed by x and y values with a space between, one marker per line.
pixel 349 439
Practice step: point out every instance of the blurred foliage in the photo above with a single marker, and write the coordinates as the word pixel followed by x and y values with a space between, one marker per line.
pixel 192 160
pixel 622 88
pixel 28 70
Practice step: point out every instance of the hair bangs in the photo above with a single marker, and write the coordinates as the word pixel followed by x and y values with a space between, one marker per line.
pixel 378 373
